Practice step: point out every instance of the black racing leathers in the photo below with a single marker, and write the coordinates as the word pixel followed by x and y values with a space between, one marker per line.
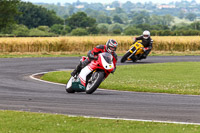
pixel 147 43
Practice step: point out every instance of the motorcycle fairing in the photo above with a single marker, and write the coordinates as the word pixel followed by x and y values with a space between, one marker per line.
pixel 106 64
pixel 77 86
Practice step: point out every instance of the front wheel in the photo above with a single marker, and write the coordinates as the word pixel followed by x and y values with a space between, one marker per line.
pixel 69 86
pixel 94 82
pixel 124 58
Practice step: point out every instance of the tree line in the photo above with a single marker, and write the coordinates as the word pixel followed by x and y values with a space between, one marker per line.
pixel 26 19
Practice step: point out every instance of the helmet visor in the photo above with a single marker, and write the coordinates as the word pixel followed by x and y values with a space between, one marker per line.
pixel 146 36
pixel 112 48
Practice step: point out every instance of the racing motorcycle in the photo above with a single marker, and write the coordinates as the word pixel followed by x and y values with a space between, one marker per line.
pixel 134 53
pixel 103 66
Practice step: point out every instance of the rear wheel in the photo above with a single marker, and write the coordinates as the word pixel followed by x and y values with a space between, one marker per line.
pixel 94 82
pixel 134 59
pixel 69 86
pixel 124 58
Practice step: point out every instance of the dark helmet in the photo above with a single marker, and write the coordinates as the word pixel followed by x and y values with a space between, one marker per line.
pixel 111 45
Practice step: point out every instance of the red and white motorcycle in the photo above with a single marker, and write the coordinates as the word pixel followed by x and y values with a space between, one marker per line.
pixel 102 67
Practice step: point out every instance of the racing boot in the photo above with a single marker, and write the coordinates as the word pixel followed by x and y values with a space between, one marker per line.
pixel 79 67
pixel 144 56
pixel 76 70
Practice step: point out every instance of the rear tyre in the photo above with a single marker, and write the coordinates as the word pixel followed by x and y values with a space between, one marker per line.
pixel 69 86
pixel 94 82
pixel 124 58
pixel 134 59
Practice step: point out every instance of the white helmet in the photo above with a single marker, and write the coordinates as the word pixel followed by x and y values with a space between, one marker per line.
pixel 146 34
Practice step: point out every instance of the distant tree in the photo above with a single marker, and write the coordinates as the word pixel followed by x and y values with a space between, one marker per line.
pixel 93 30
pixel 71 10
pixel 95 6
pixel 79 32
pixel 59 29
pixel 167 19
pixel 196 25
pixel 94 13
pixel 114 27
pixel 115 4
pixel 128 6
pixel 34 16
pixel 132 31
pixel 117 19
pixel 117 31
pixel 44 28
pixel 155 20
pixel 8 10
pixel 161 20
pixel 119 10
pixel 20 30
pixel 103 28
pixel 191 16
pixel 143 26
pixel 140 18
pixel 80 20
pixel 104 19
pixel 181 14
pixel 181 26
pixel 35 32
pixel 159 27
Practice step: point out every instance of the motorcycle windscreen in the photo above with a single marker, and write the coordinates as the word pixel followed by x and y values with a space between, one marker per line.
pixel 107 61
pixel 108 57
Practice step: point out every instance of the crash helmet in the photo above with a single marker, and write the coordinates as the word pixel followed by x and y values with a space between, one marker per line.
pixel 146 34
pixel 111 45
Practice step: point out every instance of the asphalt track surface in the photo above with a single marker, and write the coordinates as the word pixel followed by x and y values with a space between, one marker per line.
pixel 19 92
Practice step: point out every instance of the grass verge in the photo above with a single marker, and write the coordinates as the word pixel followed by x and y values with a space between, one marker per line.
pixel 25 122
pixel 173 78
pixel 44 54
pixel 74 54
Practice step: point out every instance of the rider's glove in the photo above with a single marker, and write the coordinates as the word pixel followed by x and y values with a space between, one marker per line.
pixel 96 57
pixel 145 49
pixel 91 56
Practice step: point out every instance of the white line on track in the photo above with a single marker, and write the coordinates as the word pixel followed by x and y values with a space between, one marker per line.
pixel 110 118
pixel 139 120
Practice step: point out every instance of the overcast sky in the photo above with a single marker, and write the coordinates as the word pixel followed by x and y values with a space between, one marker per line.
pixel 104 1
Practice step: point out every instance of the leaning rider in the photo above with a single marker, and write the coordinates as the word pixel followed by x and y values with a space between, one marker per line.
pixel 110 47
pixel 146 42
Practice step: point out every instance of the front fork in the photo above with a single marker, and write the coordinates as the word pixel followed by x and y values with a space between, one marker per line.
pixel 132 51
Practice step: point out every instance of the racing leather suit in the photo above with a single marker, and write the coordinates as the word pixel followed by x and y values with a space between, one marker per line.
pixel 147 43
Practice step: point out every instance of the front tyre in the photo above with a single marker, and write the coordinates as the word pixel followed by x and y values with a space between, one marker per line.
pixel 94 82
pixel 69 86
pixel 124 58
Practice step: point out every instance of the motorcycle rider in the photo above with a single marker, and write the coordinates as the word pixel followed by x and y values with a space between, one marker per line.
pixel 146 42
pixel 111 47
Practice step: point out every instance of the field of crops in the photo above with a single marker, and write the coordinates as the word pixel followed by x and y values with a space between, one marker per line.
pixel 83 44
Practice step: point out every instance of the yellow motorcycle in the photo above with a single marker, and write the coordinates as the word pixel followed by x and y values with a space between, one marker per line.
pixel 134 53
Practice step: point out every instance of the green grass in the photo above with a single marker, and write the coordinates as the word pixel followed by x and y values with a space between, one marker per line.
pixel 38 55
pixel 174 78
pixel 25 122
pixel 67 54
